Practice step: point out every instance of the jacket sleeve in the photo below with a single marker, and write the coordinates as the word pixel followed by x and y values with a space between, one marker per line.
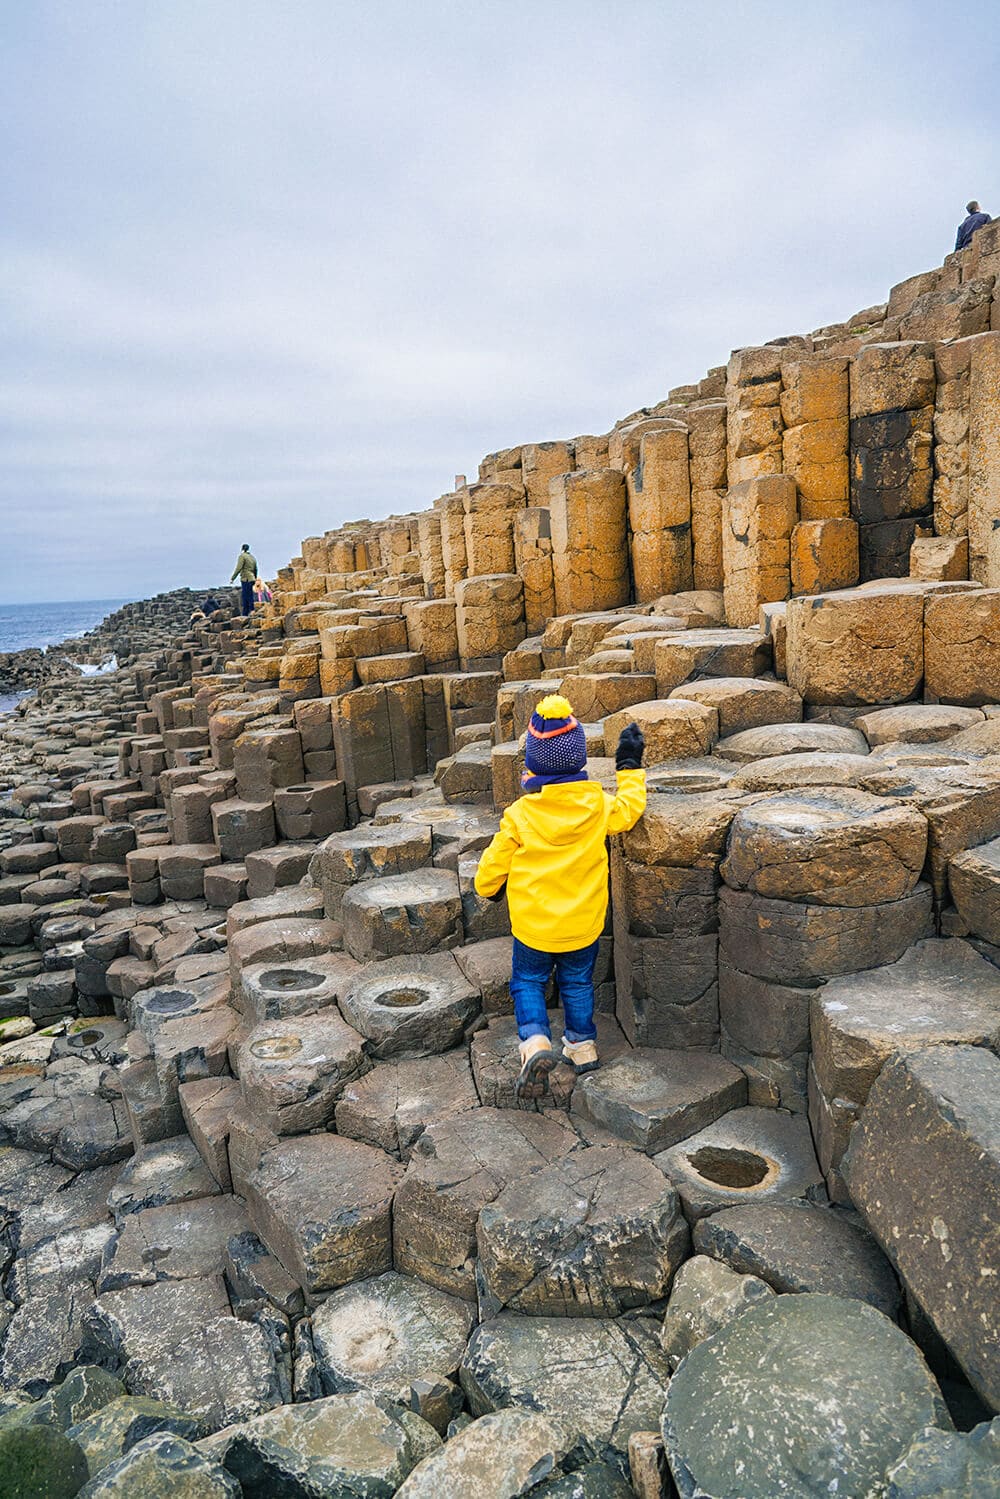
pixel 630 802
pixel 235 571
pixel 494 865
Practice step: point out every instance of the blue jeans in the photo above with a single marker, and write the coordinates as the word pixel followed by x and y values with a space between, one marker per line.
pixel 575 978
pixel 246 597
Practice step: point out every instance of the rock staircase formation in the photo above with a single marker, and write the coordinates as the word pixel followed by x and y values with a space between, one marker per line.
pixel 264 1164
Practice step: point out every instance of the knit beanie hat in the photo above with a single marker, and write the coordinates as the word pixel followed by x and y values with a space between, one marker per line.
pixel 556 748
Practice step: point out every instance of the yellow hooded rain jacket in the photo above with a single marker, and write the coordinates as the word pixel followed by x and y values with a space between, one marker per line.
pixel 551 851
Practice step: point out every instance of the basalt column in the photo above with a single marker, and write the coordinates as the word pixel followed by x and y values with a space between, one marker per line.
pixel 892 416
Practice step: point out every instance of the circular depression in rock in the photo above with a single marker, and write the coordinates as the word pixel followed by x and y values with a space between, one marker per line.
pixel 289 980
pixel 276 1048
pixel 85 1038
pixel 729 1166
pixel 168 1001
pixel 7 988
pixel 403 998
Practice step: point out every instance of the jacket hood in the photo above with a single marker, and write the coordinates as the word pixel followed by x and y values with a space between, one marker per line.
pixel 563 813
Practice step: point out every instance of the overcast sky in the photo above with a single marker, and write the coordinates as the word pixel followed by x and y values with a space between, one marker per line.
pixel 270 265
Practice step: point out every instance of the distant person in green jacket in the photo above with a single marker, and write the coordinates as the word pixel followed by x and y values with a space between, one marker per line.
pixel 246 571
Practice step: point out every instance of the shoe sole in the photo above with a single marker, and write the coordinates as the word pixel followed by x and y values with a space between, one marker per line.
pixel 581 1067
pixel 536 1070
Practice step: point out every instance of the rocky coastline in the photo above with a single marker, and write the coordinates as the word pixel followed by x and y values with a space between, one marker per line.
pixel 274 1220
pixel 267 1231
pixel 120 636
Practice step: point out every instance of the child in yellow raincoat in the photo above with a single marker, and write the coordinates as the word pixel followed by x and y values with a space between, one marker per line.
pixel 551 854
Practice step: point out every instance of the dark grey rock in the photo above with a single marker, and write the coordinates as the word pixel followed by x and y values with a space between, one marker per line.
pixel 653 1098
pixel 44 1339
pixel 323 1206
pixel 800 1396
pixel 800 1247
pixel 749 1155
pixel 592 1481
pixel 457 1167
pixel 594 1234
pixel 169 1171
pixel 923 1167
pixel 346 1445
pixel 790 942
pixel 602 1380
pixel 162 1467
pixel 178 1343
pixel 254 1275
pixel 411 1006
pixel 503 1455
pixel 392 1105
pixel 175 1242
pixel 949 1465
pixel 38 1462
pixel 706 1294
pixel 118 1426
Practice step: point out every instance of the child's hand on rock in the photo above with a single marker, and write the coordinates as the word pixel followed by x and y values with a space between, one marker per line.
pixel 631 743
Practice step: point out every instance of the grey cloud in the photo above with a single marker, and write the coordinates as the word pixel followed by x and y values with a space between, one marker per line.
pixel 265 268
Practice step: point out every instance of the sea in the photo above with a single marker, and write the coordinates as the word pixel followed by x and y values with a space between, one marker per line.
pixel 26 625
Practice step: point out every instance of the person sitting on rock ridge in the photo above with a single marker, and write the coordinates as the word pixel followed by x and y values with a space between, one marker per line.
pixel 246 571
pixel 551 854
pixel 210 604
pixel 975 219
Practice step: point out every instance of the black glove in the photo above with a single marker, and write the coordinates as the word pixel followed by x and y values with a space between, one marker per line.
pixel 631 743
pixel 499 894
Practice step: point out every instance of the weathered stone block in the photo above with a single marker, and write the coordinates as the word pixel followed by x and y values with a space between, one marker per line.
pixel 322 1205
pixel 709 653
pixel 892 377
pixel 753 1155
pixel 937 1226
pixel 589 553
pixel 845 1388
pixel 621 1236
pixel 784 941
pixel 381 1335
pixel 605 1378
pixel 939 992
pixel 292 1071
pixel 653 1098
pixel 366 853
pixel 392 1105
pixel 962 647
pixel 835 847
pixel 405 913
pixel 667 990
pixel 757 521
pixel 824 555
pixel 743 702
pixel 457 1166
pixel 856 647
pixel 411 1006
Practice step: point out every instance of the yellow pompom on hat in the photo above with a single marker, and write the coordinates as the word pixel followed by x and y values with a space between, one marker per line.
pixel 556 746
pixel 554 706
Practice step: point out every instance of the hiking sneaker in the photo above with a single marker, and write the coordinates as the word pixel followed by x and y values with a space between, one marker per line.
pixel 582 1055
pixel 537 1061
